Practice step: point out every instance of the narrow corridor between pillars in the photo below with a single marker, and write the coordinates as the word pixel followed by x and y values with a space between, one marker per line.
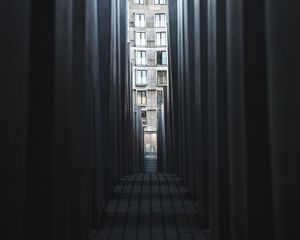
pixel 150 206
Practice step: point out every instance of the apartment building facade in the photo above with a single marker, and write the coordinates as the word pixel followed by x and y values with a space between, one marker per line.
pixel 148 36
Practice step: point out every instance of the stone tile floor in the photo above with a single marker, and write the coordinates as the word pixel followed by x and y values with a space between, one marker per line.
pixel 150 207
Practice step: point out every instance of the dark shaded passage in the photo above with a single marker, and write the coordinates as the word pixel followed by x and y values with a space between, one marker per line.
pixel 231 117
pixel 150 206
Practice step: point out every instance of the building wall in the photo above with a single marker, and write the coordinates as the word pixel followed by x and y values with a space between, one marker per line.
pixel 149 9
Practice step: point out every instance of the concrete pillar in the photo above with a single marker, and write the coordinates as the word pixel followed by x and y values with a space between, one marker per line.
pixel 250 180
pixel 40 122
pixel 201 110
pixel 283 37
pixel 217 121
pixel 173 83
pixel 14 90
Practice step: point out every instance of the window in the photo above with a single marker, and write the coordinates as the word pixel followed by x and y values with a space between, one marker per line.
pixel 140 20
pixel 140 57
pixel 160 2
pixel 162 77
pixel 141 77
pixel 159 97
pixel 161 39
pixel 162 58
pixel 139 1
pixel 140 39
pixel 144 117
pixel 150 142
pixel 160 20
pixel 141 98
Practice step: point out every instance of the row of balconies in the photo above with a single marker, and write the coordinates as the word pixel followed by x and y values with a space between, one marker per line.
pixel 150 99
pixel 149 24
pixel 150 59
pixel 149 2
pixel 149 44
pixel 142 20
pixel 148 39
pixel 143 79
pixel 149 63
pixel 152 85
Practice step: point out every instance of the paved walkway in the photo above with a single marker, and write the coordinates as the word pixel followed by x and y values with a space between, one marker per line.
pixel 150 207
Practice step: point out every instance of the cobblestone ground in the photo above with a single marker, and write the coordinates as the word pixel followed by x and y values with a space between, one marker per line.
pixel 150 207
